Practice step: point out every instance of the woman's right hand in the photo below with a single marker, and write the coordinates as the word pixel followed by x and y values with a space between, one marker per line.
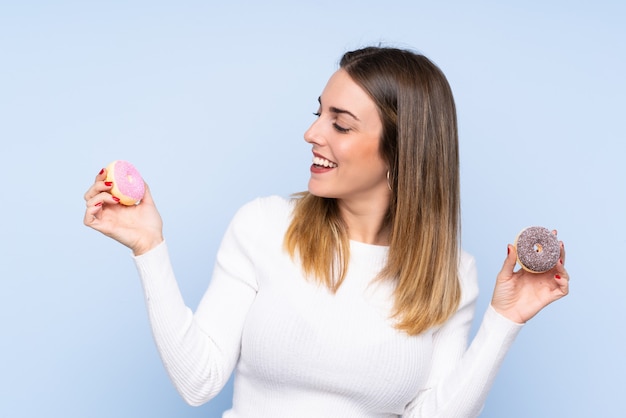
pixel 139 227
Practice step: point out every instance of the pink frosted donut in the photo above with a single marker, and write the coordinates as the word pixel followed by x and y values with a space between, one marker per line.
pixel 538 249
pixel 128 186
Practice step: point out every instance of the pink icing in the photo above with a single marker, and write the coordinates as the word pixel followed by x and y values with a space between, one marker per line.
pixel 128 180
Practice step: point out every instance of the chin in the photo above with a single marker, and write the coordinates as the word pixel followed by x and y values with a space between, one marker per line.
pixel 319 192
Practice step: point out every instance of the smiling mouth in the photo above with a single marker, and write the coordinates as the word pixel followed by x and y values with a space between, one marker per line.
pixel 322 162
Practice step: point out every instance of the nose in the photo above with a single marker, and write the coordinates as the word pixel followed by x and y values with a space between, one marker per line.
pixel 313 134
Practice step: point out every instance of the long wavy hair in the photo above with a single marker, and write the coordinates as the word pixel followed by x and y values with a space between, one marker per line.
pixel 420 145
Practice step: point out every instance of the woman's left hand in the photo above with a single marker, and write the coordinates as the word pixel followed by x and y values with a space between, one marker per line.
pixel 520 295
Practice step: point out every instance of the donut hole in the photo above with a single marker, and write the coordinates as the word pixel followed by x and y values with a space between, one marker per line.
pixel 537 248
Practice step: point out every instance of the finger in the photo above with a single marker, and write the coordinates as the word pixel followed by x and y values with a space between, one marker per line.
pixel 102 198
pixel 508 266
pixel 95 206
pixel 98 186
pixel 560 273
pixel 562 279
pixel 147 197
pixel 92 214
pixel 560 270
pixel 101 175
pixel 96 189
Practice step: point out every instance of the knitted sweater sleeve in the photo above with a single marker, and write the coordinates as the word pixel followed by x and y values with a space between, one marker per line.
pixel 461 377
pixel 199 351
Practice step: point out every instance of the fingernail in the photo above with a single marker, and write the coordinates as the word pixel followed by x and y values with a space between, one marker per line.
pixel 117 199
pixel 98 204
pixel 560 261
pixel 508 250
pixel 556 276
pixel 101 171
pixel 108 183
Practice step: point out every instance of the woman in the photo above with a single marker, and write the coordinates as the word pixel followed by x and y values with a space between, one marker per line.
pixel 354 298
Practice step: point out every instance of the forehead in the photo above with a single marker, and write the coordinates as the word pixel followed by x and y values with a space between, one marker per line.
pixel 342 92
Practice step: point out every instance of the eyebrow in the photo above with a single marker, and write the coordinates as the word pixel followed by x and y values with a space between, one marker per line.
pixel 338 110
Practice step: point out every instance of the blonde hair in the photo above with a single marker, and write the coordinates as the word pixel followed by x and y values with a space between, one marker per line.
pixel 420 145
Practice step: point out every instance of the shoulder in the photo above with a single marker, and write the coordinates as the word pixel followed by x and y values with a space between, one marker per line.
pixel 265 215
pixel 267 207
pixel 259 224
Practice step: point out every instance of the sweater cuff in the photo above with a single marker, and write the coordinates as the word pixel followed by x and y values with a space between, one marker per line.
pixel 155 269
pixel 498 325
pixel 157 251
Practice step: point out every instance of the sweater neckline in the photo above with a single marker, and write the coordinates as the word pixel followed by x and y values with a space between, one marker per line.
pixel 357 247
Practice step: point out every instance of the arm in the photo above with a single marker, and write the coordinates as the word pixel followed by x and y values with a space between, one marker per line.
pixel 461 377
pixel 199 351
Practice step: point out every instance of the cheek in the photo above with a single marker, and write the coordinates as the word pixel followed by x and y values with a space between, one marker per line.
pixel 360 151
pixel 373 158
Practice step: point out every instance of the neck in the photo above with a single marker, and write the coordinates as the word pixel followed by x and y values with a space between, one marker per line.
pixel 365 222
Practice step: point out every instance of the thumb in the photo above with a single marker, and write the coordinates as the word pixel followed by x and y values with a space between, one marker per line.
pixel 508 266
pixel 147 196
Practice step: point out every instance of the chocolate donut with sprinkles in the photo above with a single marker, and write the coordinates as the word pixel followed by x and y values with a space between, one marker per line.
pixel 538 249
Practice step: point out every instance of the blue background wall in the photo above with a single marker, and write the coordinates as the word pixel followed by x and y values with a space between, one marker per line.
pixel 210 101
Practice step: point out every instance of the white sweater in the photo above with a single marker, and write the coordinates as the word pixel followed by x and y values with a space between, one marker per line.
pixel 300 351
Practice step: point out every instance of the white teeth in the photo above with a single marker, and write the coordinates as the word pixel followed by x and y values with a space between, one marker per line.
pixel 323 162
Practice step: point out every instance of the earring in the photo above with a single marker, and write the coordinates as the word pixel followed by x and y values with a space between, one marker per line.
pixel 388 181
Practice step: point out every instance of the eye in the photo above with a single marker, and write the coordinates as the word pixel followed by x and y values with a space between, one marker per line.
pixel 340 129
pixel 336 126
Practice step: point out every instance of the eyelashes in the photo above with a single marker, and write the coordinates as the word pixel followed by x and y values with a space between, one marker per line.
pixel 340 128
pixel 336 126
